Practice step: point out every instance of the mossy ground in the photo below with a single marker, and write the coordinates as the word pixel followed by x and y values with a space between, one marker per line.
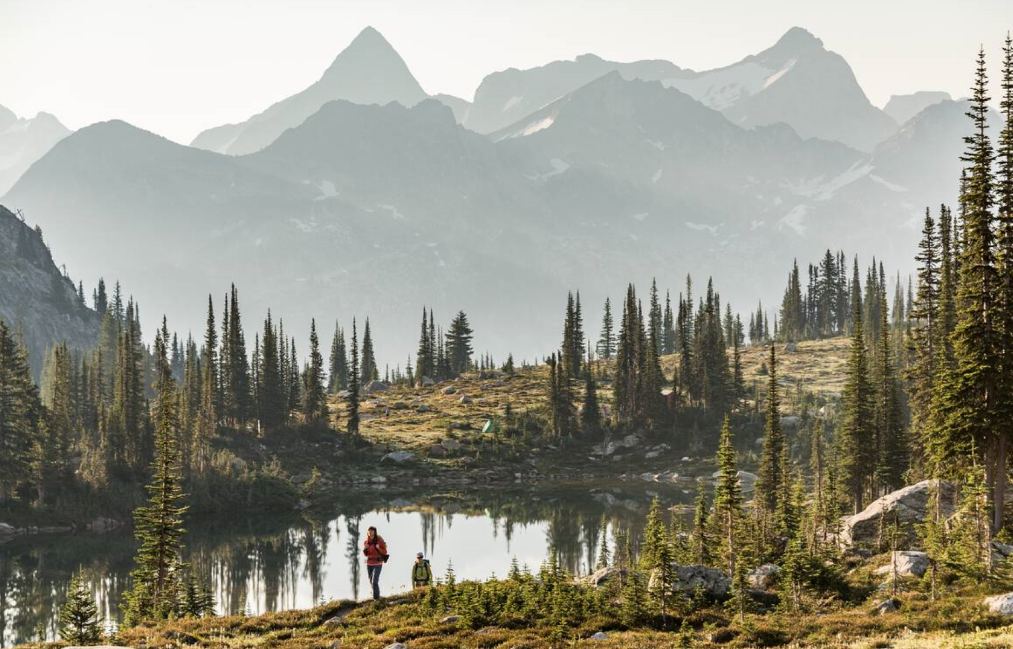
pixel 954 621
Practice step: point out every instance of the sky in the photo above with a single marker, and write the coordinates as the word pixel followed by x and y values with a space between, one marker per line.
pixel 176 67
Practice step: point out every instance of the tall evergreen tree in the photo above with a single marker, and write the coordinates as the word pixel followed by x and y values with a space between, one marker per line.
pixel 769 483
pixel 727 510
pixel 368 372
pixel 856 435
pixel 458 344
pixel 353 385
pixel 314 403
pixel 338 372
pixel 79 620
pixel 607 339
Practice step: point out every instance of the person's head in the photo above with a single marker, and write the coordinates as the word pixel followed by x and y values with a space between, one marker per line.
pixel 419 557
pixel 371 532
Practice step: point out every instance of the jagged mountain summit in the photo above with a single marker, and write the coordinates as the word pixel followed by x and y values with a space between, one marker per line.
pixel 797 81
pixel 23 141
pixel 903 107
pixel 368 71
pixel 36 296
pixel 368 209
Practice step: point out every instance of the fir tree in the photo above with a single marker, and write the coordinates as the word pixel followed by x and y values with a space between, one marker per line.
pixel 314 404
pixel 727 510
pixel 857 434
pixel 353 385
pixel 79 620
pixel 769 483
pixel 155 590
pixel 368 370
pixel 338 372
pixel 458 344
pixel 607 340
pixel 591 411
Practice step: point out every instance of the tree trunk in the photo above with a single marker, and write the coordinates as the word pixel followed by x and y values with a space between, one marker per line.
pixel 999 503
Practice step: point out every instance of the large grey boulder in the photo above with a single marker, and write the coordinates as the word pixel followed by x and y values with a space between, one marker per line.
pixel 886 606
pixel 690 579
pixel 7 529
pixel 909 506
pixel 373 387
pixel 1001 604
pixel 763 577
pixel 397 457
pixel 909 564
pixel 603 576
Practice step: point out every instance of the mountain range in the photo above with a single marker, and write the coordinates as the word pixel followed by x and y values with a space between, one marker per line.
pixel 360 195
pixel 23 141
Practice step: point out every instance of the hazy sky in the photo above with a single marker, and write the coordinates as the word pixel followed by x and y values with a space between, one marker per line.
pixel 178 66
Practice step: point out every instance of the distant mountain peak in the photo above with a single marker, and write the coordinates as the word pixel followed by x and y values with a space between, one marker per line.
pixel 798 38
pixel 369 47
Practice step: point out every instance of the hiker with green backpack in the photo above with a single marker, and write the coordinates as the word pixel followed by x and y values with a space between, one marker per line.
pixel 422 573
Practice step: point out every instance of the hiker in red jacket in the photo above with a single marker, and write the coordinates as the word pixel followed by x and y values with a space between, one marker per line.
pixel 375 549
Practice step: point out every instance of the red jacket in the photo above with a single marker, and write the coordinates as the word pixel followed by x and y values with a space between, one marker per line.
pixel 374 550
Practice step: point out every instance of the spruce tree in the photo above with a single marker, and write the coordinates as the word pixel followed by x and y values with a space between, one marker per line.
pixel 769 485
pixel 314 404
pixel 338 372
pixel 591 412
pixel 458 344
pixel 353 385
pixel 272 399
pixel 607 340
pixel 856 436
pixel 156 579
pixel 727 510
pixel 368 370
pixel 79 620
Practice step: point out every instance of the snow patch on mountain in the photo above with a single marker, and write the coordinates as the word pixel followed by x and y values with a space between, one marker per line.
pixel 821 190
pixel 533 127
pixel 720 89
pixel 702 227
pixel 772 79
pixel 794 220
pixel 393 211
pixel 886 183
pixel 558 167
pixel 327 190
pixel 657 176
pixel 641 216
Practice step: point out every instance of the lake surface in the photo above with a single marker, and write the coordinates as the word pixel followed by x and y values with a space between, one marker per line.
pixel 297 560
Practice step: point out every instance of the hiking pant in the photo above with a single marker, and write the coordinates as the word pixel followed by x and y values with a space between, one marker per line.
pixel 374 579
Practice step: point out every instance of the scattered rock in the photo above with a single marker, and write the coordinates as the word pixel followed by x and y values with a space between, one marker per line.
pixel 764 577
pixel 690 579
pixel 603 576
pixel 886 606
pixel 790 421
pixel 1001 604
pixel 451 445
pixel 599 636
pixel 450 619
pixel 343 394
pixel 336 644
pixel 909 564
pixel 909 505
pixel 7 529
pixel 397 457
pixel 399 405
pixel 396 645
pixel 436 450
pixel 1002 548
pixel 423 408
pixel 380 479
pixel 465 400
pixel 650 455
pixel 790 348
pixel 427 382
pixel 449 390
pixel 373 387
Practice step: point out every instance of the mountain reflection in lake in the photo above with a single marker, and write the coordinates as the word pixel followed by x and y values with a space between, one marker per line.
pixel 282 561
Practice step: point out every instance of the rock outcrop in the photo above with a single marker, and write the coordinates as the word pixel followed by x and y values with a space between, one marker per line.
pixel 908 506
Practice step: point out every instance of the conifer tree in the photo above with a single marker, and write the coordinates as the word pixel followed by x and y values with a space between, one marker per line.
pixel 368 371
pixel 727 510
pixel 458 344
pixel 20 411
pixel 338 373
pixel 591 412
pixel 314 404
pixel 155 590
pixel 607 340
pixel 353 385
pixel 656 557
pixel 272 406
pixel 857 434
pixel 79 620
pixel 700 539
pixel 769 483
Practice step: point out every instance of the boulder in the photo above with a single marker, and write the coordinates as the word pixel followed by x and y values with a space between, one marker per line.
pixel 427 382
pixel 1001 604
pixel 910 506
pixel 763 577
pixel 599 636
pixel 436 450
pixel 373 387
pixel 886 606
pixel 449 390
pixel 712 582
pixel 450 619
pixel 399 405
pixel 423 408
pixel 451 445
pixel 396 645
pixel 379 479
pixel 465 400
pixel 397 457
pixel 909 564
pixel 7 529
pixel 603 576
pixel 102 524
